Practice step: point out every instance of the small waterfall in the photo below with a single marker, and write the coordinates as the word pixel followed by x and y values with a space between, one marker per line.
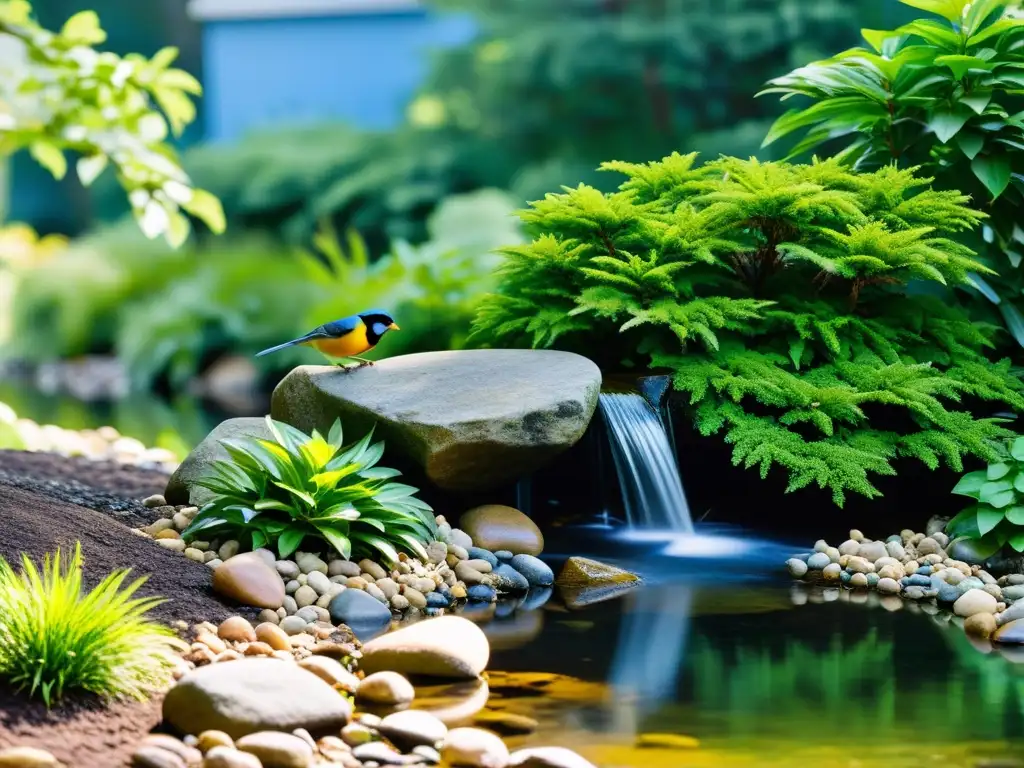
pixel 646 464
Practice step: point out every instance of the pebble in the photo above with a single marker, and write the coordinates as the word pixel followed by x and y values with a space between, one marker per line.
pixel 895 550
pixel 917 580
pixel 974 601
pixel 343 568
pixel 150 757
pixel 831 571
pixel 370 567
pixel 1013 592
pixel 437 600
pixel 156 500
pixel 888 586
pixel 412 728
pixel 273 635
pixel 331 672
pixel 319 582
pixel 227 757
pixel 305 595
pixel 797 568
pixel 247 579
pixel 818 561
pixel 416 598
pixel 388 688
pixel 363 613
pixel 207 740
pixel 277 750
pixel 437 551
pixel 355 734
pixel 508 580
pixel 473 748
pixel 400 602
pixel 872 550
pixel 448 647
pixel 376 593
pixel 378 753
pixel 547 757
pixel 948 593
pixel 293 625
pixel 859 580
pixel 914 593
pixel 481 593
pixel 479 553
pixel 849 547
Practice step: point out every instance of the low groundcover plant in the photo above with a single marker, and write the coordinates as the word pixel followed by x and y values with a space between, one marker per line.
pixel 998 517
pixel 54 638
pixel 280 492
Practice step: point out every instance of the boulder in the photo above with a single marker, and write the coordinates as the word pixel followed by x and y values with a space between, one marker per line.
pixel 448 647
pixel 181 487
pixel 472 419
pixel 251 695
pixel 496 527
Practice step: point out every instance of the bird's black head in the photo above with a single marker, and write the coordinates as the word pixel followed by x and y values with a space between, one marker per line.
pixel 378 322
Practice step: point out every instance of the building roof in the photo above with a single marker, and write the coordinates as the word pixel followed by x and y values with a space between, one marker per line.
pixel 223 10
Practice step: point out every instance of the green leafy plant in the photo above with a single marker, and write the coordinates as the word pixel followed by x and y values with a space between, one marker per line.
pixel 54 638
pixel 280 492
pixel 60 94
pixel 998 517
pixel 944 92
pixel 777 295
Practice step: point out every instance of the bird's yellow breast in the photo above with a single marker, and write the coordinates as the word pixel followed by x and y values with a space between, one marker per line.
pixel 352 343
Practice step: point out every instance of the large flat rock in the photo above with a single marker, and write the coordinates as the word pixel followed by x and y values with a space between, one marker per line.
pixel 473 419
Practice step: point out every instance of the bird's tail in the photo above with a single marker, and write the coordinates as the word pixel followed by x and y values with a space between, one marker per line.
pixel 279 347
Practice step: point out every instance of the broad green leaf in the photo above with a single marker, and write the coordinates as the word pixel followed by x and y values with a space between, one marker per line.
pixel 164 57
pixel 988 519
pixel 389 552
pixel 259 539
pixel 181 80
pixel 876 37
pixel 964 524
pixel 394 492
pixel 947 123
pixel 971 484
pixel 84 28
pixel 178 229
pixel 935 32
pixel 1018 482
pixel 970 143
pixel 50 157
pixel 280 506
pixel 290 540
pixel 336 539
pixel 993 172
pixel 997 471
pixel 208 209
pixel 1017 449
pixel 960 64
pixel 298 493
pixel 335 436
pixel 1001 499
pixel 1015 515
pixel 992 30
pixel 1017 541
pixel 414 545
pixel 977 100
pixel 1014 321
pixel 951 10
pixel 380 473
pixel 374 523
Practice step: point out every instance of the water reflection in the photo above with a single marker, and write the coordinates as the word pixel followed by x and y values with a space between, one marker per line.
pixel 760 680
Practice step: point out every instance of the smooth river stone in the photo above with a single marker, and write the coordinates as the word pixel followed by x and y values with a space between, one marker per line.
pixel 247 579
pixel 495 527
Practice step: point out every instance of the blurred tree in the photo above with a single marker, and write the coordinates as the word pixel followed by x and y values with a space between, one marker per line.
pixel 559 87
pixel 58 94
pixel 542 95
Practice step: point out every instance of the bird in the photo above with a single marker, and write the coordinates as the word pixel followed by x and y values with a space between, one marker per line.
pixel 346 338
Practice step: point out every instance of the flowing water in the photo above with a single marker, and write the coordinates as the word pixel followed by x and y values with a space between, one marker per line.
pixel 646 465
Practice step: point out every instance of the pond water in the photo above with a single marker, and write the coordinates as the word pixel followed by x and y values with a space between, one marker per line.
pixel 759 675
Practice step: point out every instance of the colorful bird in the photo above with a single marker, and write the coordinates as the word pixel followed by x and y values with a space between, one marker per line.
pixel 346 338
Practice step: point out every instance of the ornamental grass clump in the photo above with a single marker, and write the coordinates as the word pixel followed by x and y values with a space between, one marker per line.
pixel 278 493
pixel 55 638
pixel 778 296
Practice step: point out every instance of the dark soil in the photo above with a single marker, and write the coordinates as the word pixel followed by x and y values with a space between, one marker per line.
pixel 48 501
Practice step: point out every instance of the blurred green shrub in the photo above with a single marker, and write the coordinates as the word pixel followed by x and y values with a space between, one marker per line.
pixel 169 313
pixel 539 98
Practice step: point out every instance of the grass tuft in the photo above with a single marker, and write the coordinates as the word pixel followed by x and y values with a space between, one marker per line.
pixel 54 638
